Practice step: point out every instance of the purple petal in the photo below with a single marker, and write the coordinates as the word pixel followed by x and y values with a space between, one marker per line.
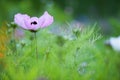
pixel 19 34
pixel 32 23
pixel 19 20
pixel 45 20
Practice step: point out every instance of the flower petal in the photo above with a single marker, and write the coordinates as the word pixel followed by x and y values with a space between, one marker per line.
pixel 19 20
pixel 45 20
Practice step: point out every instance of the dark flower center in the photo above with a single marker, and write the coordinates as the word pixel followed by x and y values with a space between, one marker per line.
pixel 34 23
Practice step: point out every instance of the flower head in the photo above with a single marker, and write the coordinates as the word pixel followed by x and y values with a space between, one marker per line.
pixel 33 23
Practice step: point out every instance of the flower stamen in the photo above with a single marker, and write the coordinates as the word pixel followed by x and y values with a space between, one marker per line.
pixel 34 22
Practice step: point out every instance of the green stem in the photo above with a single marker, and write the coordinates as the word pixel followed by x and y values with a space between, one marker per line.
pixel 36 45
pixel 14 42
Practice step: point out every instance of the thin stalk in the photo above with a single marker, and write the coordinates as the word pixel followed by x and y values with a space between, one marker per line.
pixel 36 45
pixel 15 53
pixel 14 42
pixel 32 41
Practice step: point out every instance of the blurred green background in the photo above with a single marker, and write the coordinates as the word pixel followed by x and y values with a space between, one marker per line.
pixel 65 53
pixel 105 12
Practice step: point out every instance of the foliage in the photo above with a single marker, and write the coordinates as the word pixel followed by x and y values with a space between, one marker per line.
pixel 116 26
pixel 60 58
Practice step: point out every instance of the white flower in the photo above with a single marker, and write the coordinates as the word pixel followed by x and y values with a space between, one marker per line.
pixel 115 43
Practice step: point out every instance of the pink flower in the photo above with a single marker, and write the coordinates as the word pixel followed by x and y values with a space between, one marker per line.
pixel 33 23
